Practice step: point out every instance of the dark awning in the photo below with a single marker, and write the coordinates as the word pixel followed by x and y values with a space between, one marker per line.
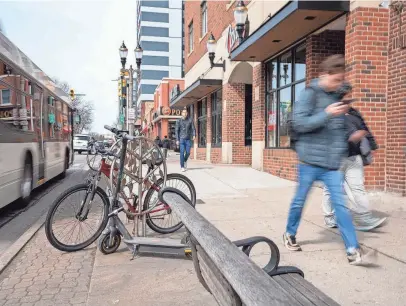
pixel 196 91
pixel 294 21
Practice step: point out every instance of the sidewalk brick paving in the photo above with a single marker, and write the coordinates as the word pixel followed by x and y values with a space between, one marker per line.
pixel 41 275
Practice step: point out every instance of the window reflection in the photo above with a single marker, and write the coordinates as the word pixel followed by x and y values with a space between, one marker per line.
pixel 271 116
pixel 285 101
pixel 285 69
pixel 283 86
pixel 300 62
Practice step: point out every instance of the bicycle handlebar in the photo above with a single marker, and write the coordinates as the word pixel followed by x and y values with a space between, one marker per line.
pixel 111 129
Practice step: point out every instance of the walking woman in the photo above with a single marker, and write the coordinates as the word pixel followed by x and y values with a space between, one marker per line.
pixel 353 170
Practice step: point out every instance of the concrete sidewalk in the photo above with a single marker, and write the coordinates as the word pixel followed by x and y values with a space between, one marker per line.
pixel 243 202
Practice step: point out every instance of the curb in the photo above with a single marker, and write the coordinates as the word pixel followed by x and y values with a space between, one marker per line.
pixel 7 257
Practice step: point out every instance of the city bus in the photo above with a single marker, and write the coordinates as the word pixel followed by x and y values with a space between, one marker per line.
pixel 36 126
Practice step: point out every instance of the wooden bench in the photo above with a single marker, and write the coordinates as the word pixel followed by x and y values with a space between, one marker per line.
pixel 226 271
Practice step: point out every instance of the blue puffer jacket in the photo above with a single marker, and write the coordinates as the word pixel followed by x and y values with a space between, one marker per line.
pixel 322 139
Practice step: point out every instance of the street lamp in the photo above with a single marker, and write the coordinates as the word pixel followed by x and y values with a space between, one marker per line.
pixel 123 54
pixel 211 49
pixel 240 17
pixel 138 57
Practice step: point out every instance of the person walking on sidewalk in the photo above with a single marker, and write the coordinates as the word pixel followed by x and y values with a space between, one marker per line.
pixel 185 134
pixel 158 142
pixel 166 146
pixel 321 145
pixel 353 170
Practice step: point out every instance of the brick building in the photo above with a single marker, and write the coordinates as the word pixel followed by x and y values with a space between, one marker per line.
pixel 241 103
pixel 164 117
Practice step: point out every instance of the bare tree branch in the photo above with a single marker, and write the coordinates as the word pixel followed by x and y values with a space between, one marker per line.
pixel 84 108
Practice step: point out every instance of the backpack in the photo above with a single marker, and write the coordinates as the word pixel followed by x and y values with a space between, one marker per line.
pixel 293 135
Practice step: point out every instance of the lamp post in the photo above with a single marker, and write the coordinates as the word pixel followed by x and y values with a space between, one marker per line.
pixel 240 17
pixel 138 57
pixel 211 49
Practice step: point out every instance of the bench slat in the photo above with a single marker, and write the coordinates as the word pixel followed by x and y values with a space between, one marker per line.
pixel 317 297
pixel 249 281
pixel 218 285
pixel 292 290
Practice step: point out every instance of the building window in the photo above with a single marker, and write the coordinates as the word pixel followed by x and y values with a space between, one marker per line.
pixel 190 33
pixel 248 115
pixel 216 118
pixel 202 122
pixel 285 79
pixel 203 15
pixel 5 96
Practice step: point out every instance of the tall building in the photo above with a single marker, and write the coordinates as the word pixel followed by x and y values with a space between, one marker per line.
pixel 159 31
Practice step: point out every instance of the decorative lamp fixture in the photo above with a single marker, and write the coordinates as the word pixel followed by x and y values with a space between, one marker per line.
pixel 211 48
pixel 138 55
pixel 123 54
pixel 240 17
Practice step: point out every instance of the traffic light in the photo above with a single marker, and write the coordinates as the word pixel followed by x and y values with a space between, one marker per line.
pixel 72 94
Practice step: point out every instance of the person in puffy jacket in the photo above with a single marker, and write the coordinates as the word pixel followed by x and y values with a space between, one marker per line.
pixel 353 170
pixel 319 121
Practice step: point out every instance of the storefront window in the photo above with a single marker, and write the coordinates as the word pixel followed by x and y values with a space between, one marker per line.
pixel 283 86
pixel 202 122
pixel 216 117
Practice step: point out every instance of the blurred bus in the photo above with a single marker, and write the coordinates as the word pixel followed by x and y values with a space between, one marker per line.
pixel 36 126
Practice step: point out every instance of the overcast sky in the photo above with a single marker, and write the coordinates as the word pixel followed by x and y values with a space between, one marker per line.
pixel 77 42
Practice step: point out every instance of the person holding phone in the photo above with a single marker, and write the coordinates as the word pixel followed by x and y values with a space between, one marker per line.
pixel 321 146
pixel 185 134
pixel 353 170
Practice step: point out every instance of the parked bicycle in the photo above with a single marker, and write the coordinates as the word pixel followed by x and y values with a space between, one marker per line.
pixel 69 221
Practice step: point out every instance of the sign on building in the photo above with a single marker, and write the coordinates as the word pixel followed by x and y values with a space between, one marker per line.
pixel 131 113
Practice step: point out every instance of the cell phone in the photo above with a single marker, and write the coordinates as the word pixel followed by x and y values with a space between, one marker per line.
pixel 347 101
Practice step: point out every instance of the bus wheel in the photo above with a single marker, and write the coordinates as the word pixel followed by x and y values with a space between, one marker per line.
pixel 26 182
pixel 65 166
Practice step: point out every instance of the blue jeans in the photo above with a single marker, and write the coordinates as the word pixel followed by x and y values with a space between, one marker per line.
pixel 332 179
pixel 184 148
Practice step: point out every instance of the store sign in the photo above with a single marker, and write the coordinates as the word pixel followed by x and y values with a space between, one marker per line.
pixel 131 113
pixel 232 38
pixel 6 113
pixel 167 111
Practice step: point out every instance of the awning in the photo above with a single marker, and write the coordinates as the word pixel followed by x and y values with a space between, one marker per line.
pixel 294 21
pixel 196 91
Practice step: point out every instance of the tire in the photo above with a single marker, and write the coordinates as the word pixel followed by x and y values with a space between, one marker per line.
pixel 26 184
pixel 151 191
pixel 65 166
pixel 50 217
pixel 103 241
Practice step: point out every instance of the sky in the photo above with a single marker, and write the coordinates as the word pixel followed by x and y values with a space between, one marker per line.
pixel 76 42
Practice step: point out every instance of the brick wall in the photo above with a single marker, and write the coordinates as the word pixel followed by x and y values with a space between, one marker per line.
pixel 215 155
pixel 366 56
pixel 220 15
pixel 234 122
pixel 258 103
pixel 281 163
pixel 319 47
pixel 396 107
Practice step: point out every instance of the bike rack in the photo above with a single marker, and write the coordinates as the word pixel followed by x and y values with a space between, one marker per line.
pixel 140 243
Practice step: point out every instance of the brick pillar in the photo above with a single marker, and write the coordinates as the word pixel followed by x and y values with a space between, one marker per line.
pixel 319 47
pixel 366 54
pixel 234 128
pixel 396 107
pixel 258 116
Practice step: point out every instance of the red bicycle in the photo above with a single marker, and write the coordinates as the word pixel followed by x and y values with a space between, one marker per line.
pixel 75 211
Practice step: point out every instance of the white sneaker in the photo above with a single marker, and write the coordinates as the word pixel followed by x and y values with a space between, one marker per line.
pixel 183 169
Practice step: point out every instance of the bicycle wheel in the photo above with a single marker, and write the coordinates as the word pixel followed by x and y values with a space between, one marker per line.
pixel 67 218
pixel 93 160
pixel 161 219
